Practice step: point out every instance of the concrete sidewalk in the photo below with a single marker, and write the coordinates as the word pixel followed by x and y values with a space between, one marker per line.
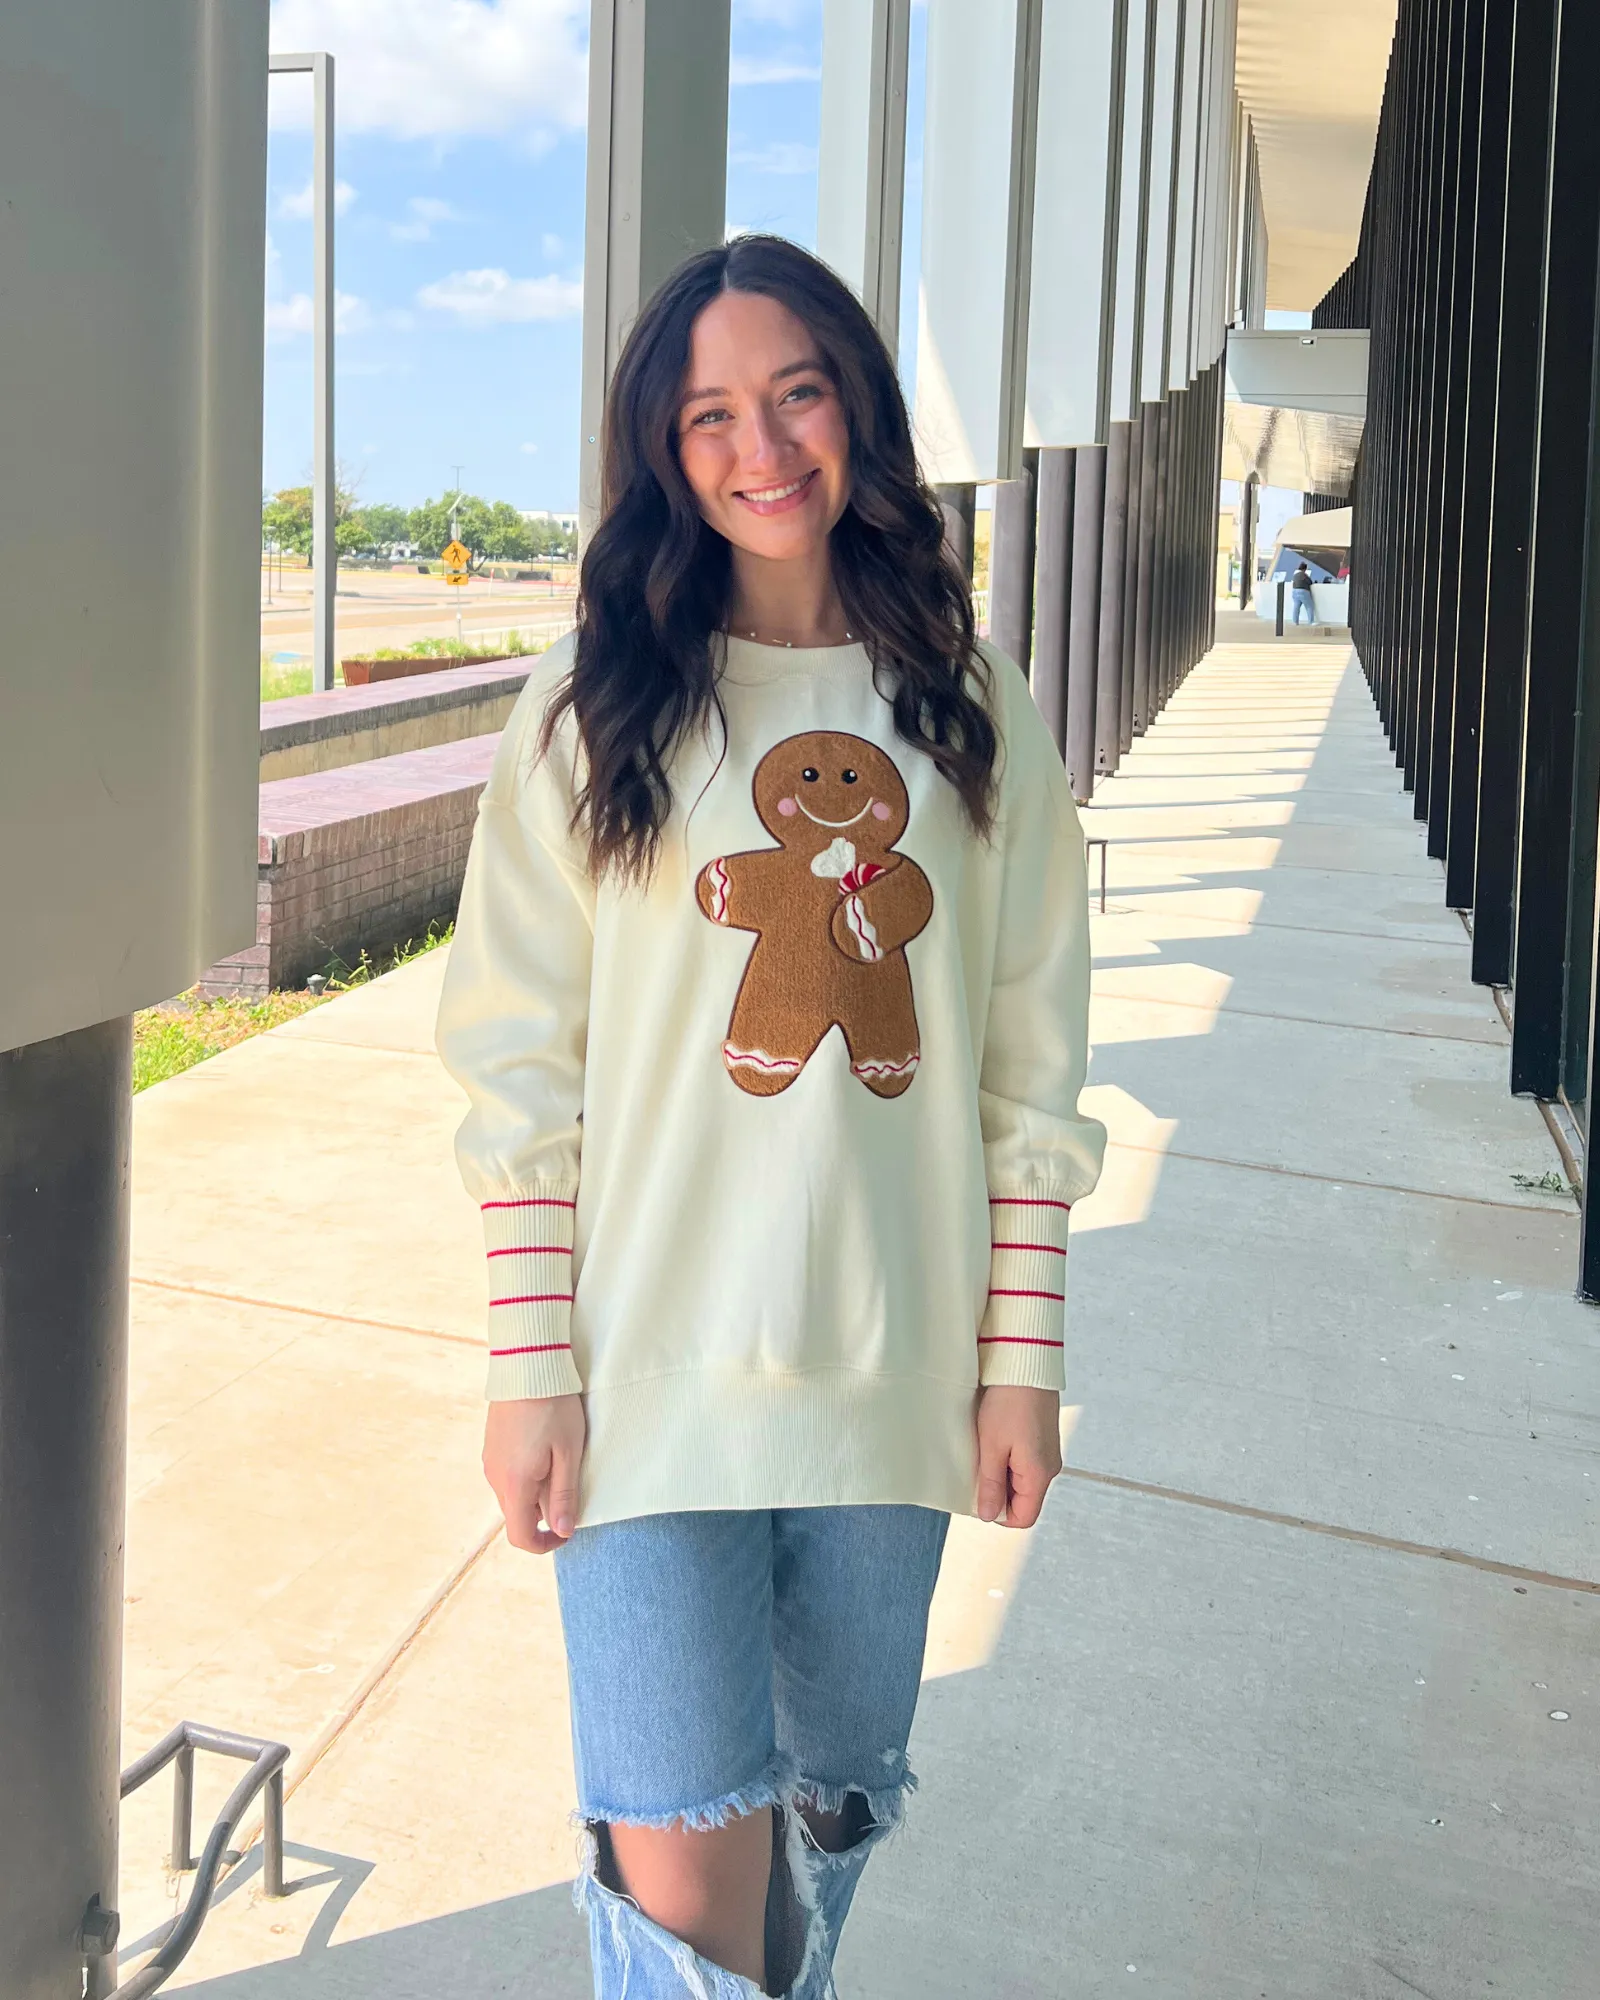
pixel 1228 1724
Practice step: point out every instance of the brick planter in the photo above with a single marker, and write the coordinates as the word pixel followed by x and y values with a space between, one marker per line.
pixel 362 673
pixel 357 859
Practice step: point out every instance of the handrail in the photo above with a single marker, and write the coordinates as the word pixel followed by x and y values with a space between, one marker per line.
pixel 177 1747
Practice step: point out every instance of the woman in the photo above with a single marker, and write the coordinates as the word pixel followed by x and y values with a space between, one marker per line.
pixel 768 993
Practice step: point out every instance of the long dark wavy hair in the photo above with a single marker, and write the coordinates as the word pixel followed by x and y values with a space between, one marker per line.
pixel 655 581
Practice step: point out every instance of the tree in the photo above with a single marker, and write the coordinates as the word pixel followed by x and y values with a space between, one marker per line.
pixel 286 520
pixel 383 524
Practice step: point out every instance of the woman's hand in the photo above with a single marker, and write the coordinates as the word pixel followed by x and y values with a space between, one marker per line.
pixel 531 1454
pixel 1019 1452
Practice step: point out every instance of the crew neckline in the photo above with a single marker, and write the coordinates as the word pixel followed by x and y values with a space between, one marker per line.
pixel 747 662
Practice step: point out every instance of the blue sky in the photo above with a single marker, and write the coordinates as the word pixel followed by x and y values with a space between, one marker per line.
pixel 460 154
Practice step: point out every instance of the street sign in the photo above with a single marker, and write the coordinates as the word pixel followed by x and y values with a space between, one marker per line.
pixel 455 555
pixel 456 576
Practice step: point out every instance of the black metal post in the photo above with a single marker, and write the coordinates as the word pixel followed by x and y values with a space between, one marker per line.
pixel 1130 584
pixel 1511 515
pixel 1083 630
pixel 1555 603
pixel 65 1122
pixel 960 504
pixel 1488 239
pixel 1247 543
pixel 1055 535
pixel 1144 636
pixel 1011 561
pixel 1113 576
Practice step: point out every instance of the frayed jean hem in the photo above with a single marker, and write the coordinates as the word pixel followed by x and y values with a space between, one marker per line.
pixel 634 1958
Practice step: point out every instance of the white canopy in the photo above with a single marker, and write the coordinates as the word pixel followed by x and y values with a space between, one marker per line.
pixel 1330 530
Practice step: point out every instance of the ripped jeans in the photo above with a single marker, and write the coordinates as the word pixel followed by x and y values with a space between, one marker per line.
pixel 726 1663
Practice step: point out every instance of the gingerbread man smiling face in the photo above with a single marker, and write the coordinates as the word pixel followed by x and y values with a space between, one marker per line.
pixel 833 907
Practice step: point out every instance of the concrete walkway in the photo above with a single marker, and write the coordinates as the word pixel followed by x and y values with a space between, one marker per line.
pixel 1293 1692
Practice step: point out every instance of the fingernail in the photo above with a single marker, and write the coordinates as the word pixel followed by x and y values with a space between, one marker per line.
pixel 564 1526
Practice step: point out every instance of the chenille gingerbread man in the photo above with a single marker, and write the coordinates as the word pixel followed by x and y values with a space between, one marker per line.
pixel 833 908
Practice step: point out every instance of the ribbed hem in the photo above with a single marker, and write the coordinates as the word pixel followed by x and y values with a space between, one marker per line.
pixel 723 1438
pixel 1021 1342
pixel 528 1239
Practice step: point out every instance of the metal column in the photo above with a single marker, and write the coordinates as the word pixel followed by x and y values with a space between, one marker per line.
pixel 1560 554
pixel 65 1125
pixel 960 505
pixel 1083 637
pixel 324 465
pixel 1113 578
pixel 1011 560
pixel 1057 488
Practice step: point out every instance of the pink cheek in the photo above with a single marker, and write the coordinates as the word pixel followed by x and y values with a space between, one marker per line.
pixel 880 810
pixel 788 807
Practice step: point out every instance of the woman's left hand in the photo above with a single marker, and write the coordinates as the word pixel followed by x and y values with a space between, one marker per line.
pixel 1019 1452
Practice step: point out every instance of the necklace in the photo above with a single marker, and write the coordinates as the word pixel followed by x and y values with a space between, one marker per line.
pixel 750 633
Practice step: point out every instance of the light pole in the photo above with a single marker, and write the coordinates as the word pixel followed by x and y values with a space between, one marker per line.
pixel 324 545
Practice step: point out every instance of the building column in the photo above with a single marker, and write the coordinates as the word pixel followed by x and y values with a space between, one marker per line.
pixel 657 177
pixel 960 505
pixel 1057 508
pixel 1113 582
pixel 1149 485
pixel 1137 516
pixel 65 1140
pixel 1083 639
pixel 1011 562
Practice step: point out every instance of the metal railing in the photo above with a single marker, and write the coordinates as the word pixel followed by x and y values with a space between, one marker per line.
pixel 173 1940
pixel 1099 840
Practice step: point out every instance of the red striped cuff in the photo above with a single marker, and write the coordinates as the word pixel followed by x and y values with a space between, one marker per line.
pixel 1022 1339
pixel 528 1242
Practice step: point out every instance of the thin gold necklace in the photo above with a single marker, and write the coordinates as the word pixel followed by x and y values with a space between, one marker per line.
pixel 751 633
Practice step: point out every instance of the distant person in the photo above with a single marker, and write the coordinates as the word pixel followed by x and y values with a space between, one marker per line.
pixel 769 994
pixel 1300 590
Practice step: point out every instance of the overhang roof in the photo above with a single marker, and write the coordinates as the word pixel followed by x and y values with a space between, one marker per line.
pixel 1311 75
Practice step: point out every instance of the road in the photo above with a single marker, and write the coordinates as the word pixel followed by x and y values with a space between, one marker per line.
pixel 392 608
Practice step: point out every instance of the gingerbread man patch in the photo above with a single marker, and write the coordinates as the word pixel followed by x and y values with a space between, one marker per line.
pixel 833 907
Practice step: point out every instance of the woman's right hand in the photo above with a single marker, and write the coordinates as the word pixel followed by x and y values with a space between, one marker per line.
pixel 531 1454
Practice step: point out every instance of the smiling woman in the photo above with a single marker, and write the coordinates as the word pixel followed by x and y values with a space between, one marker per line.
pixel 773 1121
pixel 757 452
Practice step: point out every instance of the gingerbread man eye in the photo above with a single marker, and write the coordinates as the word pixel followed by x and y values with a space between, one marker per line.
pixel 848 776
pixel 809 775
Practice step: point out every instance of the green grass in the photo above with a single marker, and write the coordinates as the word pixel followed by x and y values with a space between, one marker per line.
pixel 1550 1183
pixel 511 645
pixel 171 1038
pixel 280 679
pixel 342 977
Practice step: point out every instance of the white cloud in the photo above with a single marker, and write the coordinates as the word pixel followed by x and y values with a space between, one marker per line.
pixel 494 297
pixel 300 205
pixel 431 69
pixel 530 449
pixel 772 69
pixel 426 213
pixel 552 246
pixel 288 317
pixel 783 156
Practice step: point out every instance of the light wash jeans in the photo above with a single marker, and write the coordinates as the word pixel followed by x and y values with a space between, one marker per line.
pixel 1304 601
pixel 728 1663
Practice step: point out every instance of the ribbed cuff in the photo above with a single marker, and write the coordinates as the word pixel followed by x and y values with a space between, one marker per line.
pixel 528 1236
pixel 1021 1342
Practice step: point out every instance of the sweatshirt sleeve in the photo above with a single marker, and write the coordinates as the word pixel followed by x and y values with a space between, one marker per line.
pixel 1040 1153
pixel 513 1023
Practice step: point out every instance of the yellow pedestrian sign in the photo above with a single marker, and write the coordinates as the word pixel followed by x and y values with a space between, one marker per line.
pixel 456 558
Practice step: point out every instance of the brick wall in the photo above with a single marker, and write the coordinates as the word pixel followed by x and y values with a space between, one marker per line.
pixel 357 859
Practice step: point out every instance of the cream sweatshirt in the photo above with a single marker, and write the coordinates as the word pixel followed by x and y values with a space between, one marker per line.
pixel 775 1155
